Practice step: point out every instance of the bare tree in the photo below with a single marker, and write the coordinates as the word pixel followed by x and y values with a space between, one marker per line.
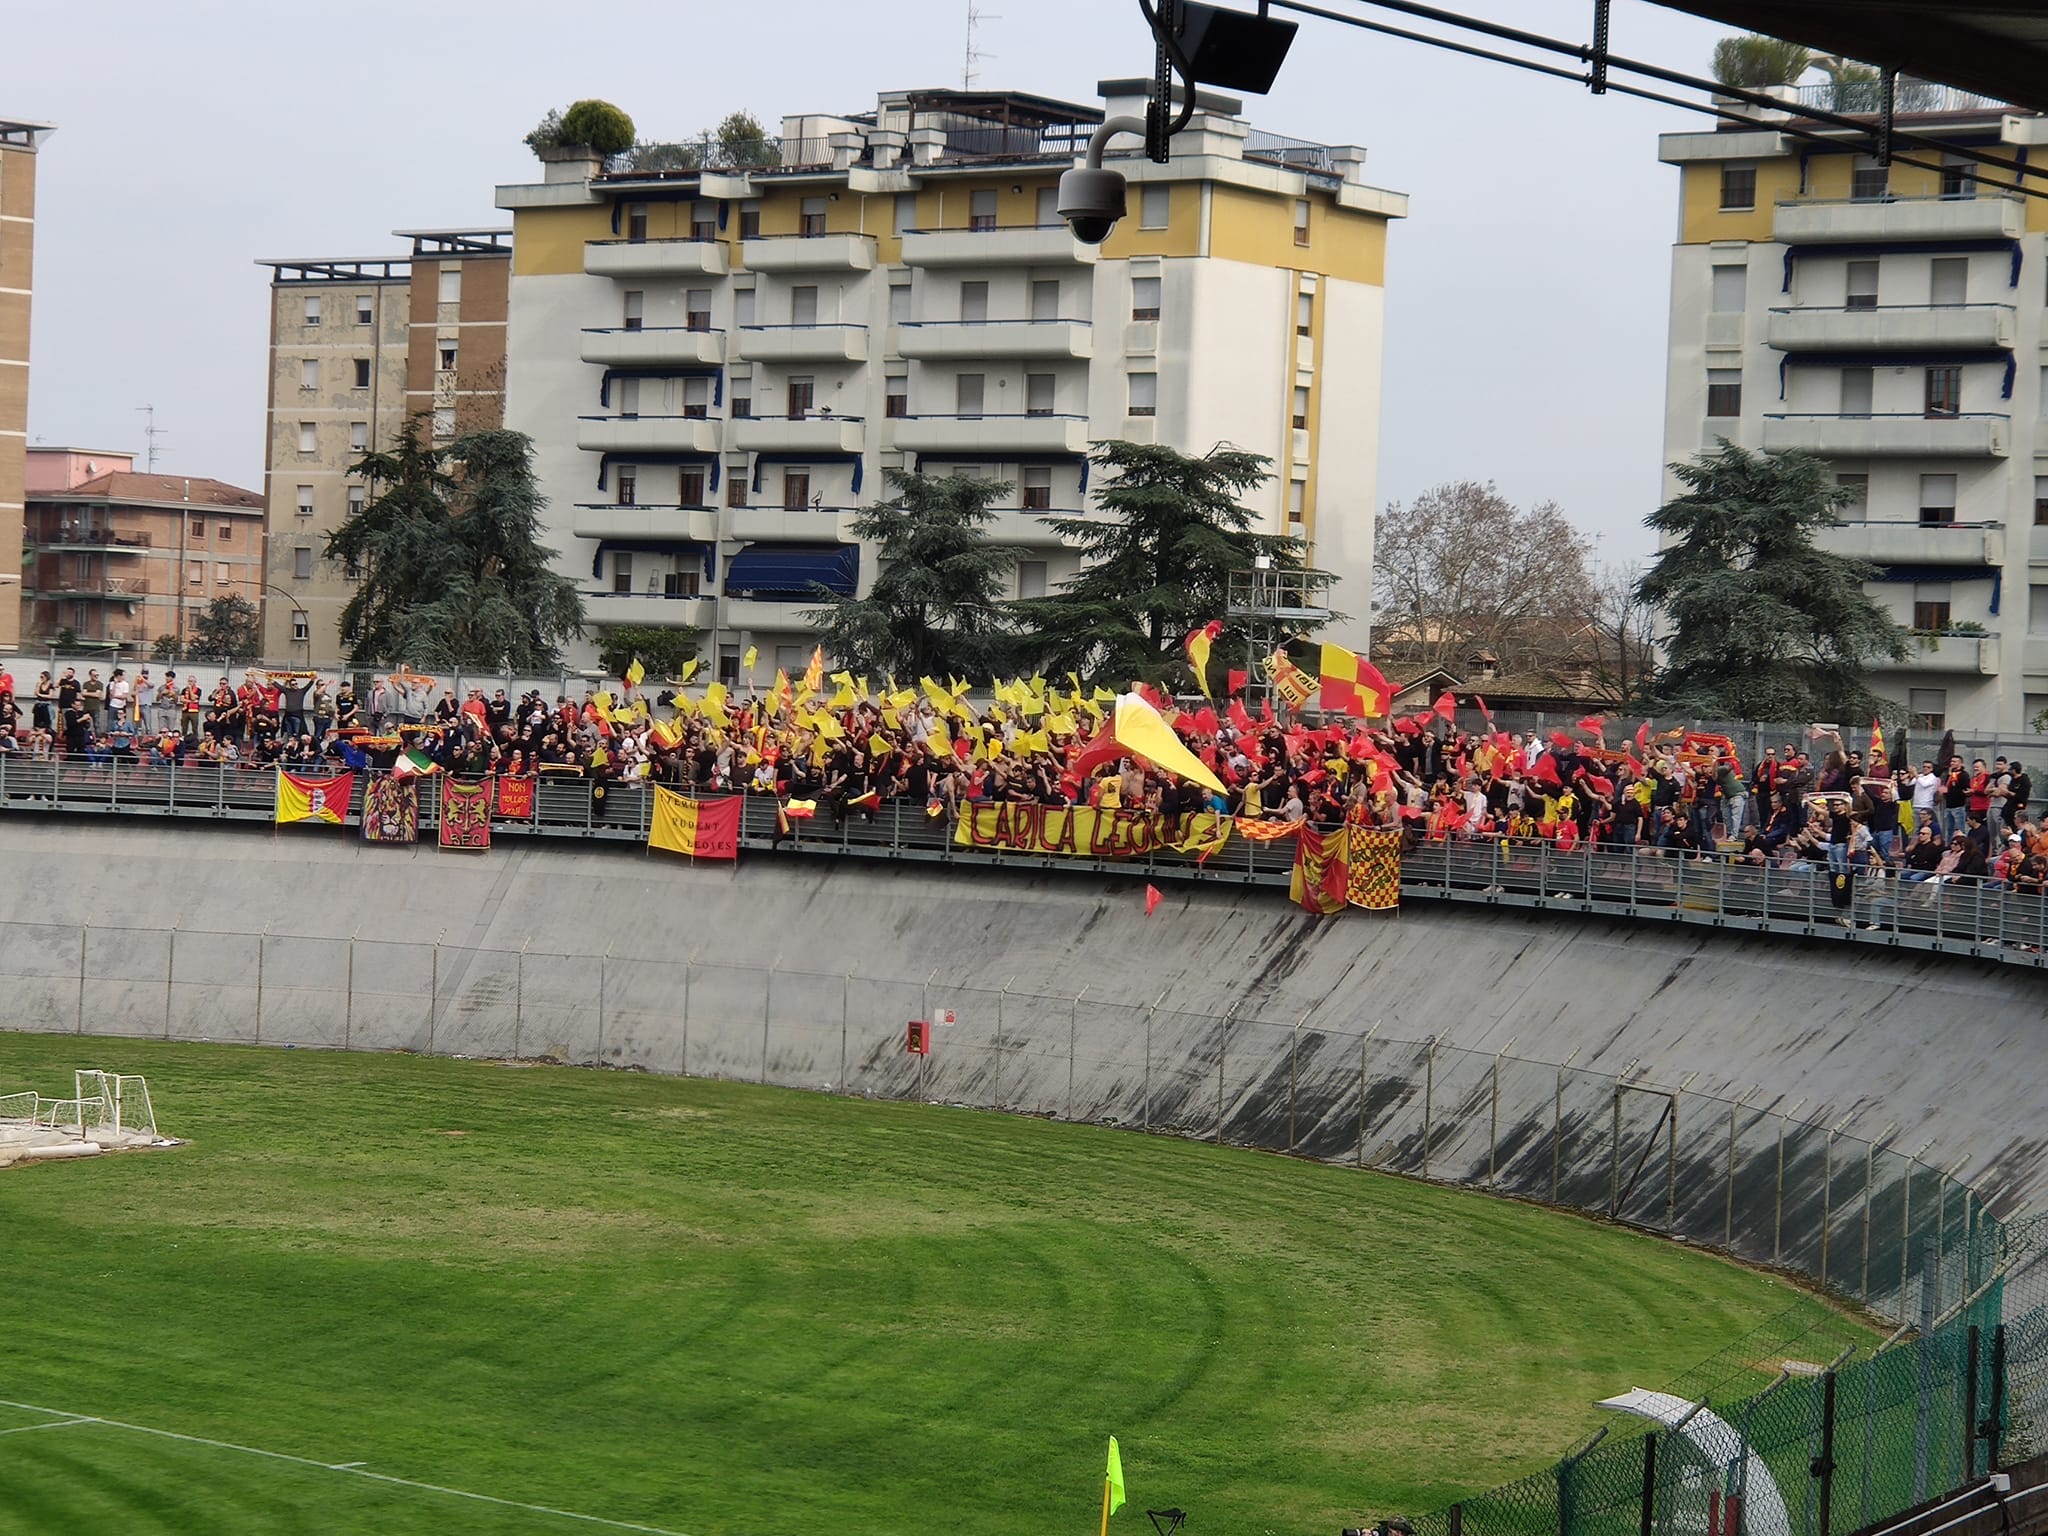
pixel 1461 569
pixel 1619 641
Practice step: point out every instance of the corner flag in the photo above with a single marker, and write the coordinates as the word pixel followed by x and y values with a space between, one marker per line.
pixel 1112 1485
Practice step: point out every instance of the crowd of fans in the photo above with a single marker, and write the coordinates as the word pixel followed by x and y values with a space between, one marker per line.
pixel 1813 805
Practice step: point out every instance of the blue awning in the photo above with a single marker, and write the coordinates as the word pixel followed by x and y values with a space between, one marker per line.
pixel 1903 573
pixel 605 461
pixel 1932 358
pixel 656 547
pixel 709 371
pixel 809 458
pixel 1884 247
pixel 794 570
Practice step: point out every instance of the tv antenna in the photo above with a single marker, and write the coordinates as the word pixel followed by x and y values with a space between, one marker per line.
pixel 150 433
pixel 975 17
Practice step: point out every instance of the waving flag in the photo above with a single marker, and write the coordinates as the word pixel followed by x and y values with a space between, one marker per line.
pixel 1352 685
pixel 310 799
pixel 1197 646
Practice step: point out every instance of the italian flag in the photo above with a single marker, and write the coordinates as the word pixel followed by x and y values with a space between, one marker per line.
pixel 413 763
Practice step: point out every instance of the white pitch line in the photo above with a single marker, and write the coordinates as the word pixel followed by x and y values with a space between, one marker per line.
pixel 352 1469
pixel 22 1429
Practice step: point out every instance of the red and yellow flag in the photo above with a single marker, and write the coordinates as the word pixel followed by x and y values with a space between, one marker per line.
pixel 1197 646
pixel 1322 872
pixel 1351 685
pixel 309 799
pixel 702 829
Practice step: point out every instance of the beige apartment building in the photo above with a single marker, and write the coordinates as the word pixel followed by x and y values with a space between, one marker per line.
pixel 19 141
pixel 358 345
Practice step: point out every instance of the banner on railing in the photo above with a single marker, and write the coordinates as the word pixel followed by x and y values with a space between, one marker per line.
pixel 308 799
pixel 1087 831
pixel 515 799
pixel 1375 878
pixel 703 829
pixel 1322 878
pixel 391 809
pixel 466 815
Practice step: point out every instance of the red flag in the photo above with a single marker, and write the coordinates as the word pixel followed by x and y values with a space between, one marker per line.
pixel 1239 715
pixel 1599 786
pixel 1643 737
pixel 1204 721
pixel 1351 685
pixel 1407 726
pixel 1562 741
pixel 1595 725
pixel 1481 704
pixel 1234 681
pixel 1446 706
pixel 1152 899
pixel 1635 765
pixel 1544 771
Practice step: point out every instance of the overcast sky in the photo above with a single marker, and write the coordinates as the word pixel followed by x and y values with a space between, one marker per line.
pixel 1526 292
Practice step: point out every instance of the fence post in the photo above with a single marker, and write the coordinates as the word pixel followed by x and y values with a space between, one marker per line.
pixel 1145 1114
pixel 1614 1155
pixel 1970 1425
pixel 1222 1059
pixel 1823 1468
pixel 845 1012
pixel 1923 1347
pixel 1073 1035
pixel 1364 1084
pixel 1493 1117
pixel 170 974
pixel 768 1006
pixel 348 993
pixel 689 966
pixel 84 929
pixel 1002 1016
pixel 1994 1426
pixel 259 982
pixel 1428 1102
pixel 603 964
pixel 1646 1517
pixel 1557 1129
pixel 519 995
pixel 1293 1057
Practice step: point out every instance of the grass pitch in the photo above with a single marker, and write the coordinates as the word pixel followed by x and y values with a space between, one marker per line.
pixel 713 1309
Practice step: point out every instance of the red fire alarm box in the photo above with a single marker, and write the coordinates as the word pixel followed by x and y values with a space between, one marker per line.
pixel 918 1042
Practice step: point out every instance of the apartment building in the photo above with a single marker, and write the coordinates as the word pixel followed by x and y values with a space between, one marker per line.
pixel 358 345
pixel 719 365
pixel 1892 321
pixel 19 141
pixel 116 559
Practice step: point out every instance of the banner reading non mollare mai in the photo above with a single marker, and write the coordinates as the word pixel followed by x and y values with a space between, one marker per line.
pixel 703 829
pixel 1087 831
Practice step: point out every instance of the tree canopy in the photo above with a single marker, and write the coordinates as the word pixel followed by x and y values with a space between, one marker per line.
pixel 447 558
pixel 1764 626
pixel 228 630
pixel 1156 562
pixel 1754 62
pixel 938 605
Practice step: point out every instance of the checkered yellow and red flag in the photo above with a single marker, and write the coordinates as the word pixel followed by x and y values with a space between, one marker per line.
pixel 1375 874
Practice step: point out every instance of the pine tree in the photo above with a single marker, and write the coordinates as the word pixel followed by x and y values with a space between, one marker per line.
pixel 1764 625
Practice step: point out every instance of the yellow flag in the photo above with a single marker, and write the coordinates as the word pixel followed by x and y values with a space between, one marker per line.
pixel 1113 1481
pixel 748 657
pixel 634 673
pixel 938 693
pixel 814 674
pixel 843 699
pixel 689 669
pixel 1140 728
pixel 843 679
pixel 937 739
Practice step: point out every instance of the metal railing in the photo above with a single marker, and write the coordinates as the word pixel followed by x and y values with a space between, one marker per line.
pixel 1965 917
pixel 1909 95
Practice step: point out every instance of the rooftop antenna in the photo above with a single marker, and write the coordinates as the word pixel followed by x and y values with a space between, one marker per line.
pixel 150 433
pixel 975 17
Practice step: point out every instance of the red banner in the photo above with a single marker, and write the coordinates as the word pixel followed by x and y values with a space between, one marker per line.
pixel 515 799
pixel 466 816
pixel 703 829
pixel 1322 875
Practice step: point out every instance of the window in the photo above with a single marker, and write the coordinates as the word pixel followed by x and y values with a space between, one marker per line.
pixel 1301 221
pixel 1037 488
pixel 362 373
pixel 447 351
pixel 896 396
pixel 1045 298
pixel 636 221
pixel 444 422
pixel 195 573
pixel 750 219
pixel 632 308
pixel 967 394
pixel 2037 610
pixel 359 436
pixel 302 563
pixel 974 302
pixel 1155 203
pixel 1048 213
pixel 1304 313
pixel 678 584
pixel 226 533
pixel 1959 179
pixel 743 307
pixel 198 530
pixel 736 487
pixel 796 489
pixel 622 573
pixel 1931 605
pixel 742 405
pixel 1144 298
pixel 1937 499
pixel 906 211
pixel 981 210
pixel 697 398
pixel 223 573
pixel 1144 395
pixel 355 500
pixel 366 310
pixel 1731 285
pixel 309 373
pixel 1738 188
pixel 1038 394
pixel 2041 501
pixel 627 478
pixel 629 397
pixel 312 309
pixel 305 501
pixel 451 283
pixel 1949 281
pixel 1928 708
pixel 302 627
pixel 1724 391
pixel 1300 406
pixel 1031 578
pixel 308 437
pixel 803 394
pixel 1869 182
pixel 690 485
pixel 1861 287
pixel 697 308
pixel 703 220
pixel 811 219
pixel 1297 500
pixel 899 303
pixel 1857 507
pixel 1945 390
pixel 1857 384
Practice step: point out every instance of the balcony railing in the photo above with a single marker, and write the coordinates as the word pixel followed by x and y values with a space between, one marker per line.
pixel 1909 95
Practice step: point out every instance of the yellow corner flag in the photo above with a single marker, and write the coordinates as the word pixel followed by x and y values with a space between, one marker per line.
pixel 1112 1485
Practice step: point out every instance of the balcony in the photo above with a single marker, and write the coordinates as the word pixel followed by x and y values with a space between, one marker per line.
pixel 769 613
pixel 1029 245
pixel 1890 435
pixel 112 588
pixel 654 258
pixel 989 434
pixel 649 608
pixel 96 539
pixel 1928 651
pixel 1826 221
pixel 828 343
pixel 813 433
pixel 617 347
pixel 809 253
pixel 958 340
pixel 605 520
pixel 647 434
pixel 1028 530
pixel 805 525
pixel 1917 543
pixel 1891 327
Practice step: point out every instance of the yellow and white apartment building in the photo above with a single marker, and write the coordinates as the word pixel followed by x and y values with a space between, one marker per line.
pixel 718 365
pixel 1892 321
pixel 19 141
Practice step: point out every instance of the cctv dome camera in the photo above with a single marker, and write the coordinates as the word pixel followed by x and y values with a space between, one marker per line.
pixel 1091 201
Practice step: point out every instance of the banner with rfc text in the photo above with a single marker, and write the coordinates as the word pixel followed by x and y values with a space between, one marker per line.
pixel 1087 832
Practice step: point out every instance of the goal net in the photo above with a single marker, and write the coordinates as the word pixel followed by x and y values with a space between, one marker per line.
pixel 105 1109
